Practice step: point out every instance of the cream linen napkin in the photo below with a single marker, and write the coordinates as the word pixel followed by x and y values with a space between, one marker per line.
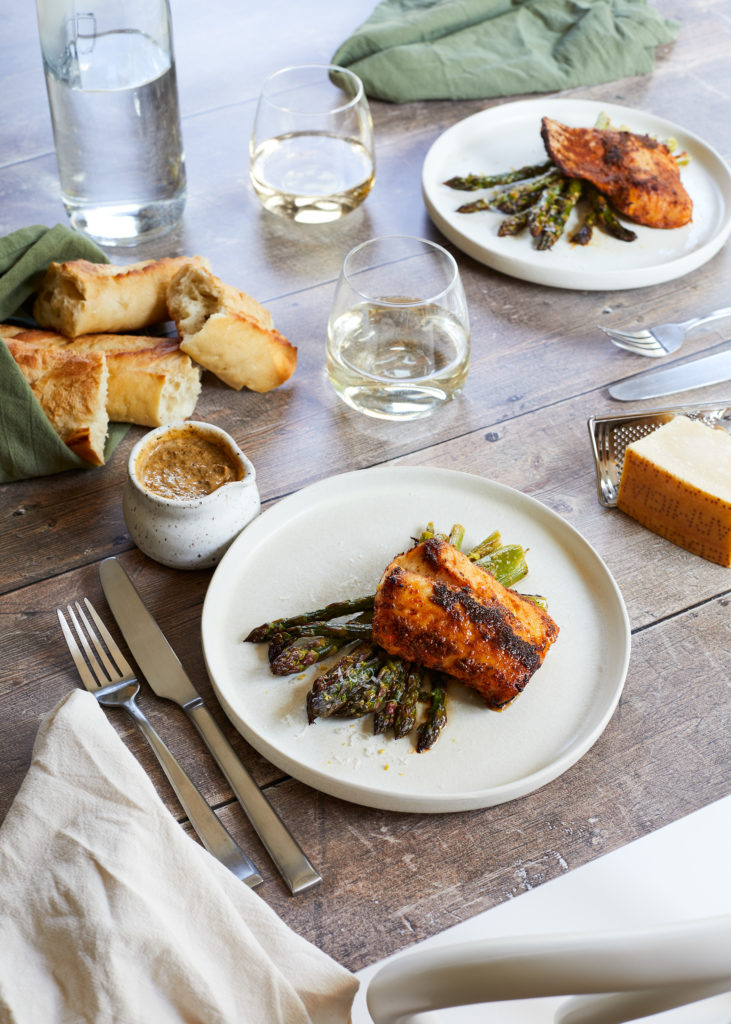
pixel 110 913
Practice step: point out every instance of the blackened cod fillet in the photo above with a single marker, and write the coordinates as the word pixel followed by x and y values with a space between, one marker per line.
pixel 436 607
pixel 638 174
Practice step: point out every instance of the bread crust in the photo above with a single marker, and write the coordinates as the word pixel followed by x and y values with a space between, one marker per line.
pixel 79 297
pixel 228 332
pixel 151 382
pixel 71 388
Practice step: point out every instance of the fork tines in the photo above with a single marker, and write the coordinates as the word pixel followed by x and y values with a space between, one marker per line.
pixel 111 671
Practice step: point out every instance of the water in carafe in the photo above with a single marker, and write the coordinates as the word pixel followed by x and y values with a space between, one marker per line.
pixel 116 123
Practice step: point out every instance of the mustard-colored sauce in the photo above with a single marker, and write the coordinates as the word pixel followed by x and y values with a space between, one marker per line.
pixel 186 464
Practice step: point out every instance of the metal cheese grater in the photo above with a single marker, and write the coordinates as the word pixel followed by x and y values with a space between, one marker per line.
pixel 610 436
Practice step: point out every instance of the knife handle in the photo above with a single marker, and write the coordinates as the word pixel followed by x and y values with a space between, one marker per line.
pixel 212 833
pixel 280 844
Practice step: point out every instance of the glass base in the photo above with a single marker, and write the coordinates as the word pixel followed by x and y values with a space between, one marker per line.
pixel 308 209
pixel 397 403
pixel 121 224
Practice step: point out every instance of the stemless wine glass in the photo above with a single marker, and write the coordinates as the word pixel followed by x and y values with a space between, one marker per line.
pixel 311 152
pixel 398 340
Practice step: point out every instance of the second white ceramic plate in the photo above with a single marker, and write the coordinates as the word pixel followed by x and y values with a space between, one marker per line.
pixel 332 540
pixel 509 136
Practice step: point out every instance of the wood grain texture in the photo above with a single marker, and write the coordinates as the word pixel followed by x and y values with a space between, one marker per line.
pixel 540 369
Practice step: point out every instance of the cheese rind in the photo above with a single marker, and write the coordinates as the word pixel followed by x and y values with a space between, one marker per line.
pixel 676 481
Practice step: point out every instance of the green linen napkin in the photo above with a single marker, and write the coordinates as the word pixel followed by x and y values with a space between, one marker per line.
pixel 29 446
pixel 475 49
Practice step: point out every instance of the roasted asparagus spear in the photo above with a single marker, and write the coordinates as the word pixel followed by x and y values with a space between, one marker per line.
pixel 558 214
pixel 303 651
pixel 472 182
pixel 430 729
pixel 330 611
pixel 606 218
pixel 331 690
pixel 405 714
pixel 385 714
pixel 515 199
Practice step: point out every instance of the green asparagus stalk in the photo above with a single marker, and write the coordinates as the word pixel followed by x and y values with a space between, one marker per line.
pixel 507 564
pixel 471 182
pixel 346 630
pixel 383 718
pixel 524 194
pixel 427 533
pixel 537 599
pixel 369 695
pixel 558 214
pixel 456 535
pixel 278 643
pixel 330 611
pixel 491 543
pixel 302 652
pixel 540 211
pixel 475 207
pixel 606 218
pixel 331 690
pixel 430 729
pixel 513 200
pixel 405 715
pixel 583 234
pixel 514 224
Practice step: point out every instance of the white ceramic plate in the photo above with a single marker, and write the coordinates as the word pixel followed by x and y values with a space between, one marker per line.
pixel 333 540
pixel 508 136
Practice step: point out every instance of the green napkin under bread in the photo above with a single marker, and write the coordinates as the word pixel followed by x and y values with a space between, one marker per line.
pixel 29 446
pixel 476 49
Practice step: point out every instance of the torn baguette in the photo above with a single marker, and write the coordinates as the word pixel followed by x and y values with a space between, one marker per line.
pixel 227 332
pixel 151 382
pixel 79 297
pixel 71 388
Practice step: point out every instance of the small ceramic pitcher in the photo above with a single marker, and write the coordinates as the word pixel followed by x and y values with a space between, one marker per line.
pixel 189 532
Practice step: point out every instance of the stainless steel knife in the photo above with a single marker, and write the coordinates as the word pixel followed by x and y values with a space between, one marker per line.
pixel 712 369
pixel 167 677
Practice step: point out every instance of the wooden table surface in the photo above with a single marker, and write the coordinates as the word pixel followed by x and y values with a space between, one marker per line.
pixel 539 370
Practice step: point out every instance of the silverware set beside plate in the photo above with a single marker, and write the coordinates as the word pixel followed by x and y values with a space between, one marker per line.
pixel 106 673
pixel 661 340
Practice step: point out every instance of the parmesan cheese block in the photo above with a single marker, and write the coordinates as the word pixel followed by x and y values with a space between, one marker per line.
pixel 677 482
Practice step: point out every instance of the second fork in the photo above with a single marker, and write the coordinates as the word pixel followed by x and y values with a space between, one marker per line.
pixel 116 686
pixel 662 339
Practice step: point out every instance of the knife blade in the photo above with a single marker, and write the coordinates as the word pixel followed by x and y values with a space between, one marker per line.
pixel 168 679
pixel 712 369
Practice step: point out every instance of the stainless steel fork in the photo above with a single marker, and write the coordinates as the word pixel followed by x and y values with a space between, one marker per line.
pixel 114 685
pixel 660 340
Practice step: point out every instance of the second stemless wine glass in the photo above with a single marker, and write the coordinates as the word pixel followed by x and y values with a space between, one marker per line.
pixel 311 152
pixel 398 340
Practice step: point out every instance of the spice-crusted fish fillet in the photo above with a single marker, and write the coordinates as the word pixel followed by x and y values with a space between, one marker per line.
pixel 636 172
pixel 436 607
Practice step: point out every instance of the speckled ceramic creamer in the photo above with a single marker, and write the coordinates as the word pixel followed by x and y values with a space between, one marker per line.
pixel 192 532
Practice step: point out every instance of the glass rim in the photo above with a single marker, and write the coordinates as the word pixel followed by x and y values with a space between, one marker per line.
pixel 401 303
pixel 357 98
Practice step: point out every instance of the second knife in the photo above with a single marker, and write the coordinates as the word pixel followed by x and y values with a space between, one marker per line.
pixel 713 369
pixel 167 677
